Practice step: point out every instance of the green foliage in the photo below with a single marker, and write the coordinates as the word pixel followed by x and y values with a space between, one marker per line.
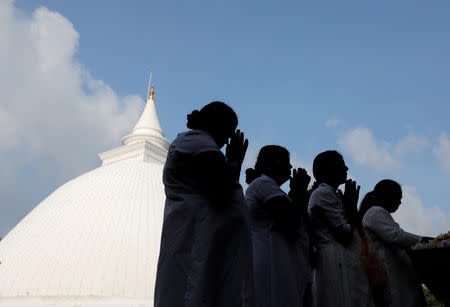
pixel 431 300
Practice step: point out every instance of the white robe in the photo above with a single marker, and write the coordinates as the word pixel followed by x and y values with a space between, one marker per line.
pixel 340 279
pixel 205 255
pixel 390 241
pixel 282 269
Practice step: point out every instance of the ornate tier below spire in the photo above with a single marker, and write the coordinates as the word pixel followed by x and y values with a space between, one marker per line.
pixel 146 142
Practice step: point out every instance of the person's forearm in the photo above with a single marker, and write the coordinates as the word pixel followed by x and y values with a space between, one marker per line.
pixel 405 239
pixel 338 225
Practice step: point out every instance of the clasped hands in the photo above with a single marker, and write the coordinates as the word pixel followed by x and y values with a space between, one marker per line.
pixel 350 199
pixel 299 186
pixel 235 152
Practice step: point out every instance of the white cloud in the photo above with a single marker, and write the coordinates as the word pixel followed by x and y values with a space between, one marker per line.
pixel 51 109
pixel 411 143
pixel 364 149
pixel 442 150
pixel 414 217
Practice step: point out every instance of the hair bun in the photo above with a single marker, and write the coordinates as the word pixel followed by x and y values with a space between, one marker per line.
pixel 370 199
pixel 250 175
pixel 193 120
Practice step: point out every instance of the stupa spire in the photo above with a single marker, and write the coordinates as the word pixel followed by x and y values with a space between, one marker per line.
pixel 150 86
pixel 148 126
pixel 146 141
pixel 152 92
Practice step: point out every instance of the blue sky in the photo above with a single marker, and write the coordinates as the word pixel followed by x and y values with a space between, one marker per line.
pixel 369 79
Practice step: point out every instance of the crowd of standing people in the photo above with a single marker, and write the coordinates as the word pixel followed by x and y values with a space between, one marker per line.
pixel 268 248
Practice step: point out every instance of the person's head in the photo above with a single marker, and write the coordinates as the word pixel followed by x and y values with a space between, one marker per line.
pixel 329 167
pixel 387 194
pixel 216 118
pixel 272 161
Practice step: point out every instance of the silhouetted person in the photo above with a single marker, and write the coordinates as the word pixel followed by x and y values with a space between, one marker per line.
pixel 340 279
pixel 391 241
pixel 205 255
pixel 281 262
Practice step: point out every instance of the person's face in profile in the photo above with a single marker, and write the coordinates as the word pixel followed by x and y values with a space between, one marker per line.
pixel 341 170
pixel 283 169
pixel 394 201
pixel 223 136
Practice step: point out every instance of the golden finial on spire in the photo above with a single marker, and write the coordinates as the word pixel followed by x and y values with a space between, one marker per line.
pixel 152 92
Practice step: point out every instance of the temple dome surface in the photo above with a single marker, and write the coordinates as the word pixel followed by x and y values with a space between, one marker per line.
pixel 95 240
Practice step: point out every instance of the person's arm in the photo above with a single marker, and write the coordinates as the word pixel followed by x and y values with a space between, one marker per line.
pixel 216 174
pixel 380 222
pixel 340 228
pixel 327 206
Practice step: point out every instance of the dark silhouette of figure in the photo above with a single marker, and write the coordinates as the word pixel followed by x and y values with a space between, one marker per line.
pixel 340 277
pixel 386 193
pixel 205 255
pixel 281 262
pixel 390 241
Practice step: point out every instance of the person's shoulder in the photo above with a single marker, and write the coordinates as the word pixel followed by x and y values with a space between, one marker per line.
pixel 264 180
pixel 180 138
pixel 376 213
pixel 324 190
pixel 376 210
pixel 324 196
pixel 195 135
pixel 255 184
pixel 195 142
pixel 267 187
pixel 374 216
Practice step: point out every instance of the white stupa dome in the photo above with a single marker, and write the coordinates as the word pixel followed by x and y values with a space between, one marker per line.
pixel 95 240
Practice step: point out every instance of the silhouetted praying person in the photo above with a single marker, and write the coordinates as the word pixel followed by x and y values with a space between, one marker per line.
pixel 205 255
pixel 340 279
pixel 391 241
pixel 281 262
